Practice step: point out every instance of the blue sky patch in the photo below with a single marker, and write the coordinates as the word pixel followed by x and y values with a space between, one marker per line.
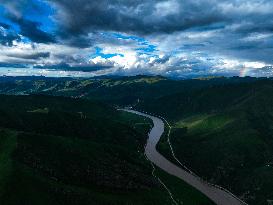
pixel 99 52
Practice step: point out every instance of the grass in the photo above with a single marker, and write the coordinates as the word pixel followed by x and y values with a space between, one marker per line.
pixel 228 127
pixel 230 151
pixel 204 123
pixel 7 146
pixel 31 186
pixel 139 123
pixel 40 110
pixel 62 158
pixel 182 192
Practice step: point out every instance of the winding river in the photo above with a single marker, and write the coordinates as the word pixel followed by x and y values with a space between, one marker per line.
pixel 217 195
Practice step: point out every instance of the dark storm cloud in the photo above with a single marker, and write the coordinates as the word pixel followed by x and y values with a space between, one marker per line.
pixel 186 33
pixel 144 17
pixel 233 20
pixel 14 12
pixel 66 67
pixel 4 25
pixel 7 40
pixel 31 30
pixel 80 41
pixel 77 17
pixel 34 56
pixel 12 65
pixel 6 36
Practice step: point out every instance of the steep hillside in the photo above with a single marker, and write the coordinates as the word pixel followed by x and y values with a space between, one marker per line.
pixel 224 134
pixel 221 127
pixel 63 151
pixel 57 150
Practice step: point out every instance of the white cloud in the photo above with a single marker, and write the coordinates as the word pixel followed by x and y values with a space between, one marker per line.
pixel 165 8
pixel 246 7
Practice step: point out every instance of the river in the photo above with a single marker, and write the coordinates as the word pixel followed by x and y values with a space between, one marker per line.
pixel 217 195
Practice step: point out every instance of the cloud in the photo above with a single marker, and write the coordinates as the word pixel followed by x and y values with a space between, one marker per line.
pixel 14 13
pixel 260 72
pixel 34 56
pixel 8 39
pixel 143 17
pixel 6 36
pixel 31 30
pixel 4 26
pixel 168 37
pixel 12 65
pixel 80 67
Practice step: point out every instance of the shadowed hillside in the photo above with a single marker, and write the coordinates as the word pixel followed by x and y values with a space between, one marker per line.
pixel 221 127
pixel 56 150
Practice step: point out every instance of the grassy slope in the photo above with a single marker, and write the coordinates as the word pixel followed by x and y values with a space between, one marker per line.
pixel 60 151
pixel 231 146
pixel 245 138
pixel 44 165
pixel 182 192
pixel 118 91
pixel 7 146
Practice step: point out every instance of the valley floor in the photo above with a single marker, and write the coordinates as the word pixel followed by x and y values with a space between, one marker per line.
pixel 217 195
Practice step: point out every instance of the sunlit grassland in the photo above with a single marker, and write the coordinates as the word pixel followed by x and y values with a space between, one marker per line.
pixel 204 123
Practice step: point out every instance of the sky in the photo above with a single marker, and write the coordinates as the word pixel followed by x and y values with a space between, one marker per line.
pixel 174 38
